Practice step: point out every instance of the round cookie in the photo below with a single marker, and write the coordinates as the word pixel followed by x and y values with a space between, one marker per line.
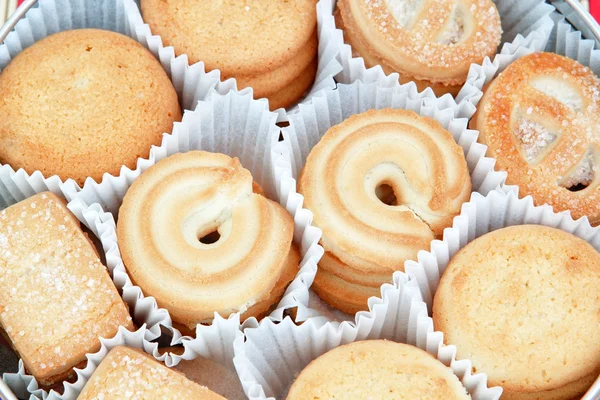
pixel 196 236
pixel 539 119
pixel 522 303
pixel 381 185
pixel 432 43
pixel 377 369
pixel 268 45
pixel 82 103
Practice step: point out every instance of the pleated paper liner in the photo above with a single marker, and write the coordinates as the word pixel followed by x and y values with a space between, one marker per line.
pixel 526 24
pixel 567 41
pixel 273 354
pixel 330 107
pixel 239 126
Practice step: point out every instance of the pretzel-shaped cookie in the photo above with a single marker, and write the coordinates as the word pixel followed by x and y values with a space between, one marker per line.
pixel 539 119
pixel 381 185
pixel 424 40
pixel 194 235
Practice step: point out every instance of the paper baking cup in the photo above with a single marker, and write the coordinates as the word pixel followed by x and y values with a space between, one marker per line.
pixel 526 25
pixel 24 386
pixel 192 83
pixel 331 107
pixel 568 42
pixel 144 310
pixel 272 355
pixel 236 125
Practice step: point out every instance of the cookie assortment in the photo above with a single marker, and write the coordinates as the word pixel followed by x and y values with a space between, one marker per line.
pixel 395 229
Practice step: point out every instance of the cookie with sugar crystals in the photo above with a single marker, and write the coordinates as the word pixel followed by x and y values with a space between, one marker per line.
pixel 128 373
pixel 430 42
pixel 56 297
pixel 539 119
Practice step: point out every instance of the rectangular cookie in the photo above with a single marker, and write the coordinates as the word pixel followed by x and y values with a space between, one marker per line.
pixel 56 297
pixel 126 373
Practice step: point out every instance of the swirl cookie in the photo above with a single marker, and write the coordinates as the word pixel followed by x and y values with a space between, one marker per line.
pixel 539 119
pixel 194 235
pixel 377 369
pixel 83 109
pixel 268 45
pixel 381 185
pixel 522 304
pixel 432 43
pixel 126 373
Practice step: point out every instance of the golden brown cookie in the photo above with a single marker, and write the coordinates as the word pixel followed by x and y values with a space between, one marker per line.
pixel 432 43
pixel 82 103
pixel 522 303
pixel 127 373
pixel 268 45
pixel 195 236
pixel 377 369
pixel 56 297
pixel 381 185
pixel 539 119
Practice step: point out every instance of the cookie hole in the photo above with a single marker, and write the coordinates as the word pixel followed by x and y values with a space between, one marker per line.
pixel 578 187
pixel 582 176
pixel 88 48
pixel 211 238
pixel 385 194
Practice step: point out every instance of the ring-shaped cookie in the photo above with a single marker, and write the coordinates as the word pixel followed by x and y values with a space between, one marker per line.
pixel 381 186
pixel 195 235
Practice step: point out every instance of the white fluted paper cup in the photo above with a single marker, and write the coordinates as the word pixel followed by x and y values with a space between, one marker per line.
pixel 272 355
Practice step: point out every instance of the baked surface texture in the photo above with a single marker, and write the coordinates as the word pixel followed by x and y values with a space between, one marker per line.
pixel 268 45
pixel 166 218
pixel 81 103
pixel 539 119
pixel 127 373
pixel 381 185
pixel 377 369
pixel 522 303
pixel 432 43
pixel 56 297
